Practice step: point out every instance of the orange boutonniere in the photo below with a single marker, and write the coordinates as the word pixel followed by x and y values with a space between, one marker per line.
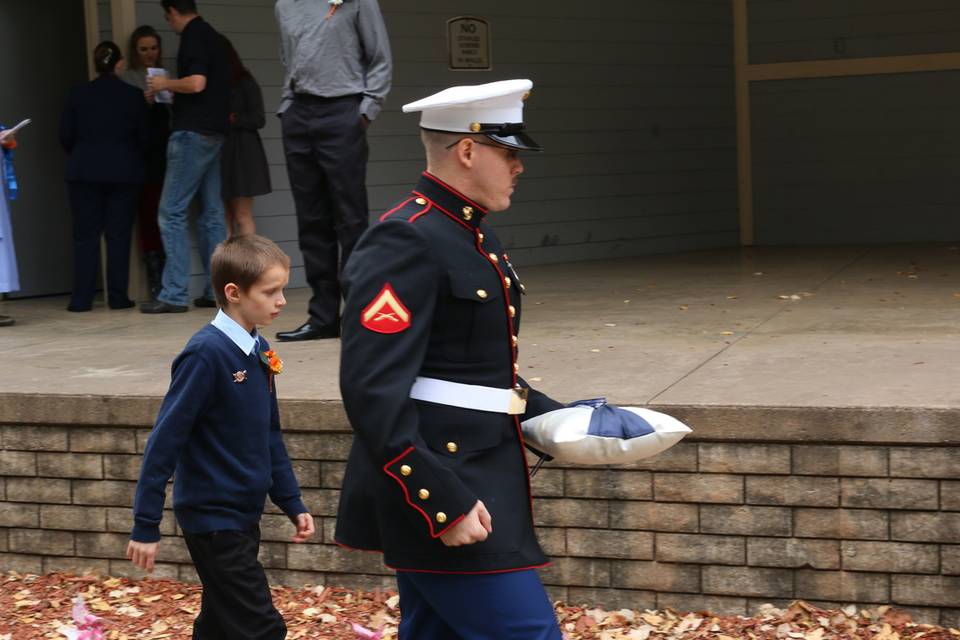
pixel 273 362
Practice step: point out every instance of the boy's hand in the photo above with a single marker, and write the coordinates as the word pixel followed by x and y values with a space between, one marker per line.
pixel 475 527
pixel 305 528
pixel 142 554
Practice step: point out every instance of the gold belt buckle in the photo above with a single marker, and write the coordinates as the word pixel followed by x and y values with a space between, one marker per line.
pixel 518 401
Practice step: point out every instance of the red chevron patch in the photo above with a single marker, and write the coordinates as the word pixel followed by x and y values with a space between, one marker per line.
pixel 386 314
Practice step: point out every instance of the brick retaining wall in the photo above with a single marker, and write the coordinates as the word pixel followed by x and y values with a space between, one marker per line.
pixel 763 505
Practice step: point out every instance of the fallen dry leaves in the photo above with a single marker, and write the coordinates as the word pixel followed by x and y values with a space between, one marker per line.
pixel 36 606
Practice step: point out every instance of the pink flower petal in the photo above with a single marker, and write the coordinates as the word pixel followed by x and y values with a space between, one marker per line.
pixel 366 634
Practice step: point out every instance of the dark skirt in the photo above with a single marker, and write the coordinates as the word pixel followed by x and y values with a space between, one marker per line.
pixel 245 170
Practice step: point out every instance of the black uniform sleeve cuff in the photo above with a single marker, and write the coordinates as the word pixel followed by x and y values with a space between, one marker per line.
pixel 435 492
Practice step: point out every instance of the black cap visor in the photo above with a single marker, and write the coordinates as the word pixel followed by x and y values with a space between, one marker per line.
pixel 518 140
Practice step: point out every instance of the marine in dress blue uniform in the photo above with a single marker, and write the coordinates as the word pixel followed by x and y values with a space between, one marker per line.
pixel 437 478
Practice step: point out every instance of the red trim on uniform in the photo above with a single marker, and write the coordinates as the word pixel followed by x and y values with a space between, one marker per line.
pixel 406 495
pixel 454 191
pixel 471 573
pixel 395 209
pixel 399 457
pixel 450 215
pixel 513 358
pixel 420 213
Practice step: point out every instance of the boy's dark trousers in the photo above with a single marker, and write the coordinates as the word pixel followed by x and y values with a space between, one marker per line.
pixel 236 601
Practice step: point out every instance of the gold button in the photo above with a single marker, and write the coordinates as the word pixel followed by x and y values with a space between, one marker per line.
pixel 406 470
pixel 493 257
pixel 421 201
pixel 516 367
pixel 508 282
pixel 441 517
pixel 513 311
pixel 424 494
pixel 467 213
pixel 482 294
pixel 514 340
pixel 452 447
pixel 475 127
pixel 480 235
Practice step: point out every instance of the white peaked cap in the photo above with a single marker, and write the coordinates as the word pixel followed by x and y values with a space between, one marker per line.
pixel 494 109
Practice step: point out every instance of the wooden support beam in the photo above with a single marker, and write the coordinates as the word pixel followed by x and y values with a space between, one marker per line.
pixel 91 19
pixel 741 63
pixel 853 67
pixel 123 20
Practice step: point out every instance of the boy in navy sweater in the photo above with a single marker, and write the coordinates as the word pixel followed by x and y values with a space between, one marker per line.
pixel 218 432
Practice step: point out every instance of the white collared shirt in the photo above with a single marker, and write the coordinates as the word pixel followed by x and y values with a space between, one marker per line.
pixel 232 329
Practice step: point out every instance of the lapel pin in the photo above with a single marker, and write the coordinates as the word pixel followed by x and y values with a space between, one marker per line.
pixel 239 376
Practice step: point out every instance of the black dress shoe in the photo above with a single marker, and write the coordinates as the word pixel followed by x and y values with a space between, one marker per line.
pixel 79 308
pixel 158 306
pixel 7 321
pixel 308 331
pixel 122 304
pixel 202 302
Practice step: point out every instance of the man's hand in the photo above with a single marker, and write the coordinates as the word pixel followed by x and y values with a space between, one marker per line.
pixel 305 528
pixel 475 527
pixel 150 96
pixel 158 83
pixel 364 122
pixel 142 554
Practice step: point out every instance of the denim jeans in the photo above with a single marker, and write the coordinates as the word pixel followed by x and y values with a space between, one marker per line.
pixel 193 167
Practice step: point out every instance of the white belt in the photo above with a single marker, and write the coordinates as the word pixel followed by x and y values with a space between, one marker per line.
pixel 469 396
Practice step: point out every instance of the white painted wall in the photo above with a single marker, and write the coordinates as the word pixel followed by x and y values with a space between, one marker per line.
pixel 633 101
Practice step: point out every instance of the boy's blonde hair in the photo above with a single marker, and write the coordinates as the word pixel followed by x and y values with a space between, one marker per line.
pixel 242 260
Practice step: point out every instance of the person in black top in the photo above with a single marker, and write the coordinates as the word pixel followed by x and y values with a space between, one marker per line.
pixel 200 123
pixel 145 50
pixel 245 170
pixel 104 129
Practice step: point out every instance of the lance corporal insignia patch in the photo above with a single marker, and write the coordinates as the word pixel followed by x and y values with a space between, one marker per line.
pixel 386 314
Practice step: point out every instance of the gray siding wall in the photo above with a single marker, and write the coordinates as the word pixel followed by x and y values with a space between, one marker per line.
pixel 634 104
pixel 790 30
pixel 855 159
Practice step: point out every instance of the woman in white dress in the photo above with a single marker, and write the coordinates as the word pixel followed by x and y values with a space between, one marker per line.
pixel 9 278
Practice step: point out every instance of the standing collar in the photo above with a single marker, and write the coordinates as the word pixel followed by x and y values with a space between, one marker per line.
pixel 450 200
pixel 237 334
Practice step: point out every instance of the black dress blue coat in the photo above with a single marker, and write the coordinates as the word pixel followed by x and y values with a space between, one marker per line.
pixel 104 129
pixel 416 468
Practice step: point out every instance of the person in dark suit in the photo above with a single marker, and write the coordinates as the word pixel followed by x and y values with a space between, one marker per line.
pixel 104 129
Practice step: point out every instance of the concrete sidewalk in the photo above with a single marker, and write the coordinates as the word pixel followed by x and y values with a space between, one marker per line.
pixel 809 327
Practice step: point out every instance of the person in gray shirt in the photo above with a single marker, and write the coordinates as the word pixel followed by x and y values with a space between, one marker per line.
pixel 337 73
